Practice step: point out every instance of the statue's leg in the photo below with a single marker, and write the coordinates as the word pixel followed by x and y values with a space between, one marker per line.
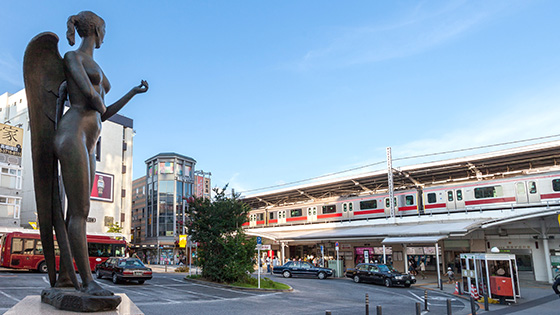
pixel 76 175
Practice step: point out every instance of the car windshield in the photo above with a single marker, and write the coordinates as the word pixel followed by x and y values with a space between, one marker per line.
pixel 387 268
pixel 130 263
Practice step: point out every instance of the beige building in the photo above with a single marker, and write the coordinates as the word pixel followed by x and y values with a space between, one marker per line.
pixel 111 198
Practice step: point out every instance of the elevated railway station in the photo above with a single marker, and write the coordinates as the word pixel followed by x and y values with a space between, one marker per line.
pixel 509 199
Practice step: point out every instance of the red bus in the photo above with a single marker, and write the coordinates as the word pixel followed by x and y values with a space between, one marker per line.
pixel 25 251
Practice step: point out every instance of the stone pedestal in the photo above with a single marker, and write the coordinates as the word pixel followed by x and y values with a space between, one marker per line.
pixel 32 305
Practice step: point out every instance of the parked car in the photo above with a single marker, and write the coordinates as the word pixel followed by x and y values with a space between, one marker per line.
pixel 123 269
pixel 302 268
pixel 380 274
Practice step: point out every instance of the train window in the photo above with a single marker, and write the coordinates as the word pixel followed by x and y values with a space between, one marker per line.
pixel 350 207
pixel 271 216
pixel 556 184
pixel 387 205
pixel 368 204
pixel 532 187
pixel 459 195
pixel 260 216
pixel 329 209
pixel 450 195
pixel 295 213
pixel 344 207
pixel 488 192
pixel 409 200
pixel 431 197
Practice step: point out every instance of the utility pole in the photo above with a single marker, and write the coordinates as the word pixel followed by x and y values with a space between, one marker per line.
pixel 390 181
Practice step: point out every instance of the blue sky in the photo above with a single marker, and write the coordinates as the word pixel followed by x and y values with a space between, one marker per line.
pixel 262 93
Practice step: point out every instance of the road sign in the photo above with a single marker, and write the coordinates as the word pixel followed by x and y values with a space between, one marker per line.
pixel 336 245
pixel 259 240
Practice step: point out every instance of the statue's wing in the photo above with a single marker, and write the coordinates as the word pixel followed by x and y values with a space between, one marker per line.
pixel 43 72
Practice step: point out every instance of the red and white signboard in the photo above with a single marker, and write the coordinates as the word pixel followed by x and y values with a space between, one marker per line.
pixel 102 187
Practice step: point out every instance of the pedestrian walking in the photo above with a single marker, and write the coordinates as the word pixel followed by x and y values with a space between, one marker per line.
pixel 422 269
pixel 450 275
pixel 268 269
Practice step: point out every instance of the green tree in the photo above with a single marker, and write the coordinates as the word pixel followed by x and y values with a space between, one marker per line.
pixel 115 228
pixel 225 253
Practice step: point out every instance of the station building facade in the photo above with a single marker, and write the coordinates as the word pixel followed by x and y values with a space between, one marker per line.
pixel 508 199
pixel 111 197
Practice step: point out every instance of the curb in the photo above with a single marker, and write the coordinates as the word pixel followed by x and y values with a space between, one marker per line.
pixel 219 285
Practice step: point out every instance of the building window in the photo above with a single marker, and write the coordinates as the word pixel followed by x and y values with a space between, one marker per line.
pixel 368 204
pixel 9 207
pixel 10 177
pixel 98 150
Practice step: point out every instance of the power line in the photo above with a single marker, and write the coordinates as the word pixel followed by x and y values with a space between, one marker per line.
pixel 401 159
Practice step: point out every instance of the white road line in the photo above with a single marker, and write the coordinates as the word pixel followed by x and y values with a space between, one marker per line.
pixel 224 289
pixel 9 296
pixel 192 292
pixel 419 298
pixel 45 279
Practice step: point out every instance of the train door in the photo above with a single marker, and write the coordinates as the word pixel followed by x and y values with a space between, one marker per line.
pixel 388 206
pixel 311 214
pixel 534 196
pixel 347 210
pixel 454 199
pixel 252 220
pixel 281 216
pixel 521 192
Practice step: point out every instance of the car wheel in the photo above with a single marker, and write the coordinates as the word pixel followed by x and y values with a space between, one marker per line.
pixel 407 285
pixel 286 274
pixel 321 275
pixel 356 279
pixel 98 274
pixel 388 282
pixel 115 278
pixel 141 281
pixel 42 267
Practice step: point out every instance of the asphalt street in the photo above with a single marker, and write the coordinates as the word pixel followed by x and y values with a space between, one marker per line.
pixel 169 293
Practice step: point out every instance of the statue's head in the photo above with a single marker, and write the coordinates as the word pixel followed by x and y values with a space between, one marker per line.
pixel 87 24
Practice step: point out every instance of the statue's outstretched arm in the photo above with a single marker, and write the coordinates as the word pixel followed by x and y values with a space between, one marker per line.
pixel 76 72
pixel 113 109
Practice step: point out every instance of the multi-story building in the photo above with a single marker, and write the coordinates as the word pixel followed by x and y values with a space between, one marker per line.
pixel 111 195
pixel 138 215
pixel 169 181
pixel 203 186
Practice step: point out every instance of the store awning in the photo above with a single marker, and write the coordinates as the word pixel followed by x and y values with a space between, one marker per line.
pixel 420 240
pixel 315 233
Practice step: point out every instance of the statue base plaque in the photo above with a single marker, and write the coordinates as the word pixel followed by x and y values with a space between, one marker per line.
pixel 32 305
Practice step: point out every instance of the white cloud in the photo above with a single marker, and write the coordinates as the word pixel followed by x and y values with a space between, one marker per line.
pixel 417 31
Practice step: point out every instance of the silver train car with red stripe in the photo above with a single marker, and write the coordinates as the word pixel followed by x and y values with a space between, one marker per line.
pixel 527 191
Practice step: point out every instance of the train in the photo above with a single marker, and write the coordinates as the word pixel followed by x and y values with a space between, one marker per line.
pixel 528 190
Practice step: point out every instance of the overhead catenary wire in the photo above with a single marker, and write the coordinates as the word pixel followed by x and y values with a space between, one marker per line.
pixel 400 159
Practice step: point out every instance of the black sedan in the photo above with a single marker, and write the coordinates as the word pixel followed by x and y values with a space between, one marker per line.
pixel 302 268
pixel 123 269
pixel 380 274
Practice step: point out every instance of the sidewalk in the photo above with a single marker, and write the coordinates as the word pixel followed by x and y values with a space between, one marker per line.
pixel 537 296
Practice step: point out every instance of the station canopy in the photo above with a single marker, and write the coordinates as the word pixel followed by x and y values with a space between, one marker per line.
pixel 505 163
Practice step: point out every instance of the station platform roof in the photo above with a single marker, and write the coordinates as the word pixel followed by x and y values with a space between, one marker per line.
pixel 505 163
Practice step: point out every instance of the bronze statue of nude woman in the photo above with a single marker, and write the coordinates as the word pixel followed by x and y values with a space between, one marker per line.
pixel 69 138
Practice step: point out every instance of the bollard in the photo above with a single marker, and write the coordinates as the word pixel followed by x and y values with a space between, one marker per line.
pixel 367 304
pixel 425 300
pixel 418 308
pixel 449 307
pixel 166 268
pixel 327 312
pixel 441 284
pixel 486 308
pixel 379 310
pixel 473 306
